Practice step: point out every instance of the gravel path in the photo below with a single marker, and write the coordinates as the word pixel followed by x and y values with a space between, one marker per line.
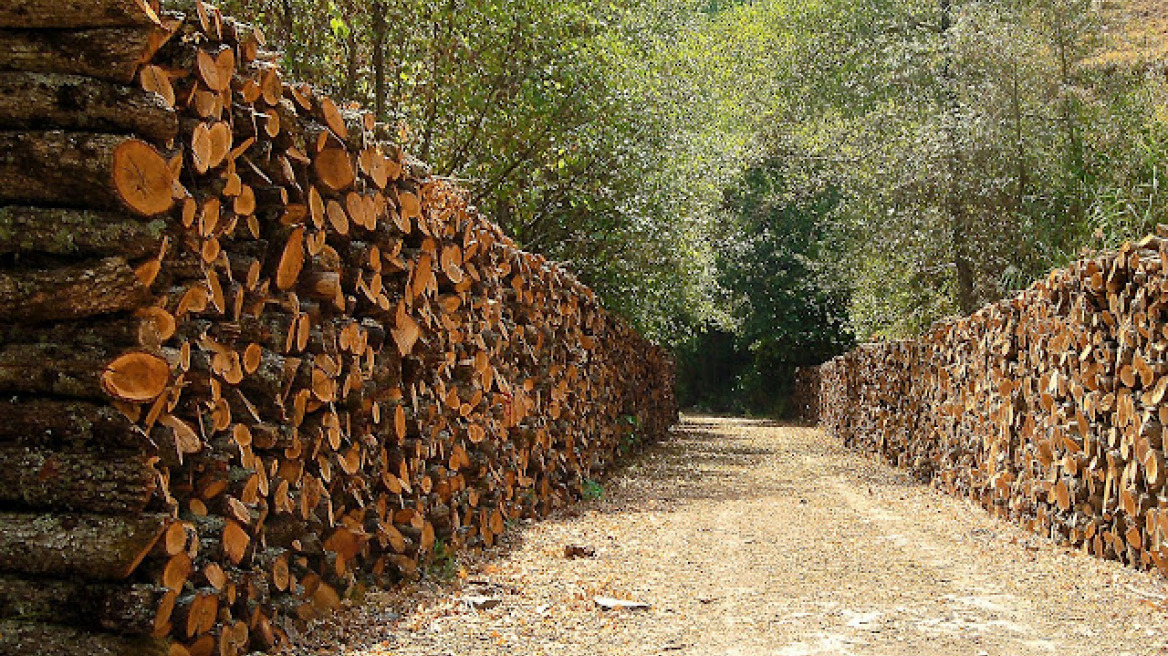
pixel 748 537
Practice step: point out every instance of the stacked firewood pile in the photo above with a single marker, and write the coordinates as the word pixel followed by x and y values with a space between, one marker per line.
pixel 805 394
pixel 1047 408
pixel 252 358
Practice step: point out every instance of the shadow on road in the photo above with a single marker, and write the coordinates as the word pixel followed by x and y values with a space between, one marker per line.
pixel 704 459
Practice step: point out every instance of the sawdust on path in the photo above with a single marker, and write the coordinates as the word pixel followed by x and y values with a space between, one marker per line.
pixel 748 537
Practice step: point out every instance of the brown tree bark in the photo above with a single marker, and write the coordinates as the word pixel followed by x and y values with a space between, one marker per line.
pixel 76 13
pixel 379 30
pixel 71 232
pixel 126 609
pixel 86 481
pixel 54 370
pixel 53 422
pixel 105 53
pixel 71 292
pixel 100 171
pixel 84 547
pixel 36 101
pixel 31 638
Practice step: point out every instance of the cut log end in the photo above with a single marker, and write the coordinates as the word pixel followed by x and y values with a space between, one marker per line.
pixel 136 377
pixel 335 168
pixel 143 178
pixel 291 260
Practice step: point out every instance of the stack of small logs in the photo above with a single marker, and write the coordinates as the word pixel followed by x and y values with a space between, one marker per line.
pixel 805 394
pixel 252 358
pixel 1048 408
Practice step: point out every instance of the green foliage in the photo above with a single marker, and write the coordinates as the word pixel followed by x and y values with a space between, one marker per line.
pixel 908 161
pixel 443 563
pixel 541 110
pixel 591 490
pixel 759 182
pixel 789 294
pixel 974 148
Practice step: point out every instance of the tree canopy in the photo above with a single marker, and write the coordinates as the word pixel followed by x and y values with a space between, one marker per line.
pixel 760 183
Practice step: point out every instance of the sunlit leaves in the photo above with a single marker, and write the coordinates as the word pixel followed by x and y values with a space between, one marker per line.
pixel 607 133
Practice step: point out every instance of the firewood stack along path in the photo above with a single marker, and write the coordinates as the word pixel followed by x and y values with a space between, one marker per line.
pixel 253 358
pixel 1048 408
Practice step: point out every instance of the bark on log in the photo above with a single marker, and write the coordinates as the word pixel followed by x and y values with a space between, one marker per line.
pixel 107 482
pixel 105 53
pixel 53 422
pixel 54 369
pixel 148 327
pixel 85 547
pixel 71 232
pixel 34 101
pixel 71 292
pixel 126 609
pixel 99 171
pixel 26 639
pixel 76 13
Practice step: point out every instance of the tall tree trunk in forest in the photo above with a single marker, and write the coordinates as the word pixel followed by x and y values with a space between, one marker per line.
pixel 352 69
pixel 954 203
pixel 379 28
pixel 289 23
pixel 394 74
pixel 1020 153
pixel 1074 146
pixel 437 48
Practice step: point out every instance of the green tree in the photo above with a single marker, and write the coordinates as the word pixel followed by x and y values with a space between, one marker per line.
pixel 731 174
pixel 785 273
pixel 539 109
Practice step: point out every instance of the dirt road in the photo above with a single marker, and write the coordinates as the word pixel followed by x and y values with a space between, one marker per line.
pixel 751 538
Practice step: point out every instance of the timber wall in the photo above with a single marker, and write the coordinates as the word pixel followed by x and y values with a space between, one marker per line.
pixel 252 358
pixel 1047 408
pixel 805 395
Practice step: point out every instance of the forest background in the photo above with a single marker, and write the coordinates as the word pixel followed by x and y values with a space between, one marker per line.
pixel 760 184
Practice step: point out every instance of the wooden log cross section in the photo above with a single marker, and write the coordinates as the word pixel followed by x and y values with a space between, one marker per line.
pixel 253 359
pixel 1048 408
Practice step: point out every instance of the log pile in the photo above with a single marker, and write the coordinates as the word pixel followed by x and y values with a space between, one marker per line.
pixel 252 357
pixel 805 394
pixel 1047 408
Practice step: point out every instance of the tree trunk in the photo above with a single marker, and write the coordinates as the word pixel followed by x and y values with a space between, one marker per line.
pixel 105 53
pixel 54 370
pixel 1075 157
pixel 379 90
pixel 1019 144
pixel 54 422
pixel 33 14
pixel 140 330
pixel 351 69
pixel 71 292
pixel 72 233
pixel 86 547
pixel 99 171
pixel 137 609
pixel 289 21
pixel 954 202
pixel 84 481
pixel 35 101
pixel 19 638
